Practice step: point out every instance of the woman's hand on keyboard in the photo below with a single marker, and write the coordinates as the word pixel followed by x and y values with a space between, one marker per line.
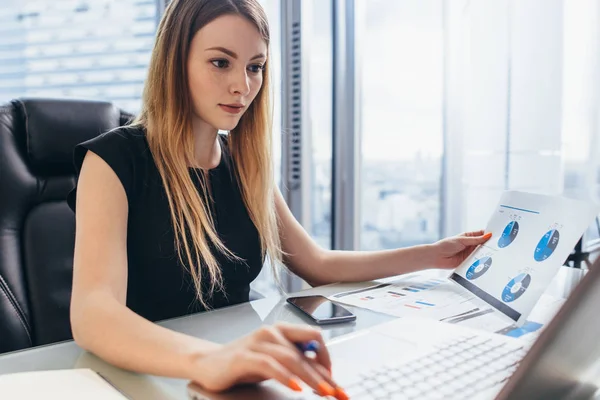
pixel 270 352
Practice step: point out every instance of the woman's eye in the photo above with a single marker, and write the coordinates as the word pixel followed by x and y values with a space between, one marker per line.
pixel 220 63
pixel 256 68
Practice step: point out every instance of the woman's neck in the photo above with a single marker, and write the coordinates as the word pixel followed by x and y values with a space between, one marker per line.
pixel 207 150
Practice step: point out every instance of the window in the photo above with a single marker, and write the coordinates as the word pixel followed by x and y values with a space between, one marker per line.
pixel 524 101
pixel 320 103
pixel 401 59
pixel 91 49
pixel 462 100
pixel 581 104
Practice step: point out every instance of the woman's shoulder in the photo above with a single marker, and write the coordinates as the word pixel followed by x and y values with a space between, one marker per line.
pixel 124 149
pixel 129 136
pixel 124 142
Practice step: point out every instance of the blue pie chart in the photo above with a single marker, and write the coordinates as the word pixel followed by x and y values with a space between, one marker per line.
pixel 509 234
pixel 516 287
pixel 547 245
pixel 478 268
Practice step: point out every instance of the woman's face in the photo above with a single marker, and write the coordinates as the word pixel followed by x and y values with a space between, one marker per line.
pixel 225 70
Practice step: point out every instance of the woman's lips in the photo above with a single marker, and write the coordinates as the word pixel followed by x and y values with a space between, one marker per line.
pixel 231 108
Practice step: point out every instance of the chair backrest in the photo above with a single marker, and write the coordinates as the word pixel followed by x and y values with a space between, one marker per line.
pixel 37 228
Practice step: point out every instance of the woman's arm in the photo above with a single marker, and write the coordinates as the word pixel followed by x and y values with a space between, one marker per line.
pixel 318 266
pixel 100 321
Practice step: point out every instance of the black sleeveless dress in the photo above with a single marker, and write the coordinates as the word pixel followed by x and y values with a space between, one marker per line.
pixel 159 287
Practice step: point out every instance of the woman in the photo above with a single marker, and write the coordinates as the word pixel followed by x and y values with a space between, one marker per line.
pixel 173 217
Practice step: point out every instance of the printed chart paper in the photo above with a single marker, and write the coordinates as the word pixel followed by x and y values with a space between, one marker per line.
pixel 416 296
pixel 532 236
pixel 426 295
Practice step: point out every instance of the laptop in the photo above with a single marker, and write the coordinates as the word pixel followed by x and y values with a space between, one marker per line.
pixel 426 359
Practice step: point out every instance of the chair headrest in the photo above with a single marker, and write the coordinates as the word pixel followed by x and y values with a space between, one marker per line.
pixel 54 127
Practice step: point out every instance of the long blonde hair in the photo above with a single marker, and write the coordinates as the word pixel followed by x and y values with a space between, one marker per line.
pixel 167 114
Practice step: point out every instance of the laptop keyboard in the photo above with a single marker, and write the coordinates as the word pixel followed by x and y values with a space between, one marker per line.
pixel 457 369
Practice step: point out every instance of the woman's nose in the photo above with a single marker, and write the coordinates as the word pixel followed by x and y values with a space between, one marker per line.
pixel 240 84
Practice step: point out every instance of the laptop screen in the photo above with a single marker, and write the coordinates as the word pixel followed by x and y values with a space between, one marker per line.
pixel 564 362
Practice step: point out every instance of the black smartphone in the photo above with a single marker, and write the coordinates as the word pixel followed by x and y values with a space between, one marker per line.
pixel 321 310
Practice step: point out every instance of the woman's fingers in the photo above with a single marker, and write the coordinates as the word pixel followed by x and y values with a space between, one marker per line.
pixel 268 367
pixel 475 240
pixel 281 341
pixel 304 334
pixel 474 233
pixel 298 365
pixel 340 393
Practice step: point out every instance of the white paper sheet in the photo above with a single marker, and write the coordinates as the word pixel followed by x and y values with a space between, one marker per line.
pixel 430 296
pixel 416 296
pixel 491 320
pixel 532 237
pixel 73 384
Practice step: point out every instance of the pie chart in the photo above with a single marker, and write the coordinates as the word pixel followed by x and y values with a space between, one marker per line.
pixel 547 245
pixel 509 234
pixel 478 268
pixel 516 287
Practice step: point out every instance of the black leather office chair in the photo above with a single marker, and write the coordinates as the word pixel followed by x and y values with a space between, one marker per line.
pixel 37 228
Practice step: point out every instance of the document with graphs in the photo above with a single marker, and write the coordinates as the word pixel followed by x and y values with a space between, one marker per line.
pixel 532 236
